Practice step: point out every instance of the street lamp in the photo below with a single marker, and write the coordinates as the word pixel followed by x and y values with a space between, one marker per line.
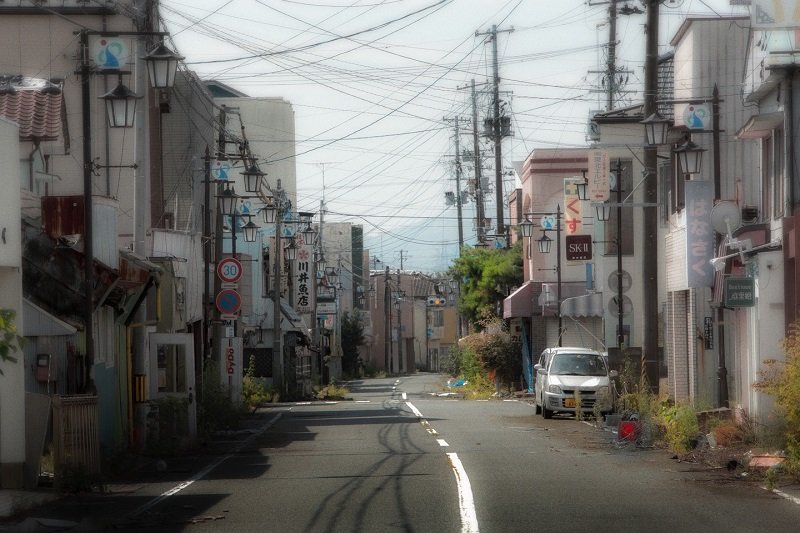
pixel 308 234
pixel 120 106
pixel 545 243
pixel 162 66
pixel 125 113
pixel 291 250
pixel 656 128
pixel 227 201
pixel 253 178
pixel 690 157
pixel 526 227
pixel 250 231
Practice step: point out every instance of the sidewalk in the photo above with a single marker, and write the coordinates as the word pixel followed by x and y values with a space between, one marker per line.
pixel 734 470
pixel 122 503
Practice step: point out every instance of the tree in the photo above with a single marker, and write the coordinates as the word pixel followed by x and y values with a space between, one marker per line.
pixel 352 339
pixel 10 341
pixel 486 275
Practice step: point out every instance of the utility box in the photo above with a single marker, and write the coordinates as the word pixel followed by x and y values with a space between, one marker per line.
pixel 45 368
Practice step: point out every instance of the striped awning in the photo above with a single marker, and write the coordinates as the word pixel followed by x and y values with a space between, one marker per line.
pixel 588 305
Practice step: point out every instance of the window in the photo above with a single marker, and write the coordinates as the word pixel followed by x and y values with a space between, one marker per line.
pixel 627 214
pixel 437 318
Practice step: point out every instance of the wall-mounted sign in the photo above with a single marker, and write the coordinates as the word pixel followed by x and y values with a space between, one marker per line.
pixel 774 14
pixel 597 188
pixel 572 207
pixel 740 292
pixel 579 247
pixel 697 117
pixel 708 332
pixel 109 53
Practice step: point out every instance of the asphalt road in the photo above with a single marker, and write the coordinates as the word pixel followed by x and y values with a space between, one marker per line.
pixel 400 457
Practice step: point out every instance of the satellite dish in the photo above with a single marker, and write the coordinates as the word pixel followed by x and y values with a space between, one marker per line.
pixel 726 217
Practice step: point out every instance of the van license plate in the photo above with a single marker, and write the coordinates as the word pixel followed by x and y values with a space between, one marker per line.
pixel 569 402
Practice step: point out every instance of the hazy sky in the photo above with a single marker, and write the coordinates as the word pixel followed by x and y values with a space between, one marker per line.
pixel 372 82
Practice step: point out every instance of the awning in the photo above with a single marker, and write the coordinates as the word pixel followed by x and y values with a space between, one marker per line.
pixel 39 323
pixel 583 306
pixel 520 302
pixel 759 126
pixel 548 299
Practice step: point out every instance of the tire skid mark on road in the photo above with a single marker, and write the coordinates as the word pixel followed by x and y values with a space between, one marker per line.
pixel 466 502
pixel 207 470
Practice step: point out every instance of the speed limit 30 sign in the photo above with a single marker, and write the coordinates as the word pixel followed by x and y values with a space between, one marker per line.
pixel 229 270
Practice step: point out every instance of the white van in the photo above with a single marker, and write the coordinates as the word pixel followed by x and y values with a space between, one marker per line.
pixel 566 374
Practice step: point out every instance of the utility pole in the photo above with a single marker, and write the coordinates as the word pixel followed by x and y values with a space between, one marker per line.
pixel 207 253
pixel 387 326
pixel 497 130
pixel 612 54
pixel 479 213
pixel 399 319
pixel 612 83
pixel 650 215
pixel 458 183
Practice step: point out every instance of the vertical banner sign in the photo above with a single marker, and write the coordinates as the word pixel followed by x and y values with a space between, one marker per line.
pixel 572 206
pixel 231 372
pixel 284 277
pixel 597 189
pixel 699 234
pixel 304 277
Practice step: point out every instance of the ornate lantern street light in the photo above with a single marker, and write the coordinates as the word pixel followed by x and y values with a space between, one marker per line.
pixel 250 231
pixel 656 128
pixel 690 157
pixel 253 178
pixel 227 201
pixel 162 66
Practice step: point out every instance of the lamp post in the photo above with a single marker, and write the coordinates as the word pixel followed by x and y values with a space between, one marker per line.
pixel 545 244
pixel 620 302
pixel 121 109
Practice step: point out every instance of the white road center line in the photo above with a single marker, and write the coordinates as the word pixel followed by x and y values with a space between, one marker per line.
pixel 466 502
pixel 469 520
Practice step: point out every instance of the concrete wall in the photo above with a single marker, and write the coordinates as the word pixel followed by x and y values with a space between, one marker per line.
pixel 12 381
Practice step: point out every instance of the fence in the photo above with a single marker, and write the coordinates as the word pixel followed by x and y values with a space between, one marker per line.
pixel 75 437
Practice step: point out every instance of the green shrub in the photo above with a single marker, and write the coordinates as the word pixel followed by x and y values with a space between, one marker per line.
pixel 255 391
pixel 680 426
pixel 781 379
pixel 333 392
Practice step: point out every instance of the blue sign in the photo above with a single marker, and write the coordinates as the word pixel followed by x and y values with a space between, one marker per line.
pixel 228 301
pixel 699 233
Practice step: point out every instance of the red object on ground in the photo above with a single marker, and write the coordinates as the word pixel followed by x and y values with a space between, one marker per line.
pixel 628 429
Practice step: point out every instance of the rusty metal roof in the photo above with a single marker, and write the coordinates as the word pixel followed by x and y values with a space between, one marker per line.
pixel 35 104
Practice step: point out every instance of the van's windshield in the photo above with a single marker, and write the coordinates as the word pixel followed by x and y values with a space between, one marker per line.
pixel 578 364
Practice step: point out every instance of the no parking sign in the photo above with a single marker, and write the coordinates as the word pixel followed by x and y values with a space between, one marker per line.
pixel 228 301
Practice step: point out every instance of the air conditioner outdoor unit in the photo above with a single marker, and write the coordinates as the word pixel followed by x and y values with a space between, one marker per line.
pixel 749 214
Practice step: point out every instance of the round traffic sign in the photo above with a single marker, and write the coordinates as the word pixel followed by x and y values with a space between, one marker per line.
pixel 229 270
pixel 228 301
